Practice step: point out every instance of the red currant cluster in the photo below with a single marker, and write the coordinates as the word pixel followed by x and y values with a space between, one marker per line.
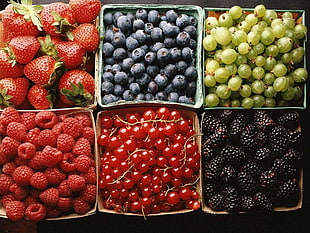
pixel 150 161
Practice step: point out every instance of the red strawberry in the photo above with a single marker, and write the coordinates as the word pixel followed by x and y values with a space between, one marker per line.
pixel 87 35
pixel 77 87
pixel 7 69
pixel 24 48
pixel 42 70
pixel 39 97
pixel 13 91
pixel 57 18
pixel 71 53
pixel 85 11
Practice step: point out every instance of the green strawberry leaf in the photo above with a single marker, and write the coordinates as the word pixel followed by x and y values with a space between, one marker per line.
pixel 77 95
pixel 4 97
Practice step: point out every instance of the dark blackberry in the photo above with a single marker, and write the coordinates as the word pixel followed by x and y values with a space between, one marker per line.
pixel 248 139
pixel 279 140
pixel 231 199
pixel 292 156
pixel 268 179
pixel 246 183
pixel 262 119
pixel 289 120
pixel 237 125
pixel 213 169
pixel 247 204
pixel 284 169
pixel 288 193
pixel 216 202
pixel 207 151
pixel 263 202
pixel 295 139
pixel 232 155
pixel 219 137
pixel 208 191
pixel 261 138
pixel 263 155
pixel 253 168
pixel 227 174
pixel 226 116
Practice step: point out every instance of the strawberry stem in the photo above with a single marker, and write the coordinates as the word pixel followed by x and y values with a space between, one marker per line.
pixel 77 95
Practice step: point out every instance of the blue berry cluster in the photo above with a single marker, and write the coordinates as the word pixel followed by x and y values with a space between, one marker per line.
pixel 148 55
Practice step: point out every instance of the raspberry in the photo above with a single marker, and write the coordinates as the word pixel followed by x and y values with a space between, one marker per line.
pixel 84 119
pixel 67 164
pixel 65 142
pixel 2 129
pixel 36 212
pixel 90 176
pixel 80 206
pixel 76 182
pixel 31 200
pixel 50 196
pixel 8 168
pixel 89 134
pixel 54 176
pixel 19 192
pixel 52 156
pixel 62 117
pixel 5 183
pixel 65 204
pixel 33 136
pixel 57 129
pixel 36 162
pixel 26 150
pixel 22 175
pixel 15 210
pixel 47 138
pixel 17 130
pixel 8 115
pixel 83 163
pixel 82 147
pixel 46 119
pixel 52 211
pixel 20 161
pixel 72 126
pixel 9 147
pixel 64 190
pixel 28 119
pixel 89 193
pixel 6 199
pixel 39 180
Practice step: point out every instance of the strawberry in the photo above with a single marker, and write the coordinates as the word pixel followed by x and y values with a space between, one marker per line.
pixel 77 87
pixel 71 53
pixel 57 18
pixel 24 48
pixel 13 91
pixel 85 11
pixel 42 70
pixel 48 45
pixel 87 35
pixel 7 69
pixel 39 97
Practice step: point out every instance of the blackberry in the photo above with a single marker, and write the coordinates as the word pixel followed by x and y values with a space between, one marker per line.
pixel 232 154
pixel 292 156
pixel 226 116
pixel 284 169
pixel 279 140
pixel 246 182
pixel 262 119
pixel 261 138
pixel 263 155
pixel 248 138
pixel 216 202
pixel 253 168
pixel 268 179
pixel 237 125
pixel 208 191
pixel 208 152
pixel 231 199
pixel 227 174
pixel 289 120
pixel 219 137
pixel 247 204
pixel 289 193
pixel 263 202
pixel 295 138
pixel 213 169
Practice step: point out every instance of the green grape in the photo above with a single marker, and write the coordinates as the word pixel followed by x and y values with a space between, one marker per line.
pixel 258 87
pixel 245 90
pixel 247 103
pixel 253 38
pixel 234 83
pixel 212 100
pixel 235 103
pixel 285 44
pixel 222 35
pixel 287 15
pixel 221 75
pixel 291 80
pixel 290 34
pixel 258 72
pixel 209 43
pixel 262 24
pixel 225 20
pixel 232 29
pixel 251 54
pixel 297 55
pixel 260 60
pixel 251 19
pixel 298 93
pixel 280 84
pixel 232 69
pixel 278 30
pixel 229 46
pixel 289 23
pixel 211 22
pixel 279 70
pixel 244 71
pixel 286 58
pixel 300 75
pixel 258 101
pixel 235 12
pixel 267 37
pixel 211 66
pixel 270 102
pixel 272 50
pixel 251 64
pixel 238 37
pixel 223 91
pixel 244 25
pixel 260 10
pixel 241 59
pixel 259 48
pixel 209 81
pixel 269 16
pixel 257 28
pixel 269 92
pixel 300 31
pixel 269 78
pixel 270 63
pixel 289 94
pixel 244 48
pixel 276 22
pixel 229 56
pixel 218 56
pixel 211 90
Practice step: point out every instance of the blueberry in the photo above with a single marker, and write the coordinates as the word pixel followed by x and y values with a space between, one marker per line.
pixel 119 54
pixel 141 14
pixel 163 18
pixel 162 24
pixel 170 30
pixel 108 35
pixel 187 54
pixel 183 39
pixel 191 30
pixel 127 63
pixel 128 95
pixel 118 90
pixel 107 68
pixel 124 23
pixel 191 73
pixel 153 17
pixel 144 80
pixel 163 55
pixel 162 96
pixel 140 97
pixel 192 44
pixel 192 20
pixel 140 36
pixel 137 24
pixel 109 60
pixel 145 47
pixel 158 45
pixel 171 16
pixel 191 88
pixel 170 70
pixel 181 66
pixel 175 54
pixel 169 42
pixel 109 98
pixel 152 70
pixel 184 99
pixel 169 88
pixel 149 97
pixel 182 21
pixel 107 87
pixel 148 28
pixel 150 58
pixel 179 82
pixel 152 87
pixel 173 97
pixel 119 39
pixel 161 80
pixel 138 54
pixel 137 70
pixel 131 43
pixel 107 49
pixel 134 88
pixel 121 77
pixel 116 68
pixel 157 34
pixel 108 19
pixel 131 80
pixel 107 76
pixel 116 15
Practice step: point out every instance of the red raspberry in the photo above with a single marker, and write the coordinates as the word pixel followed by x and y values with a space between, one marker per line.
pixel 17 130
pixel 26 150
pixel 19 192
pixel 36 212
pixel 89 193
pixel 6 199
pixel 82 147
pixel 80 206
pixel 89 134
pixel 84 119
pixel 64 190
pixel 15 210
pixel 90 176
pixel 62 117
pixel 83 163
pixel 65 204
pixel 33 136
pixel 8 168
pixel 46 119
pixel 65 142
pixel 28 119
pixel 52 156
pixel 31 200
pixel 20 161
pixel 72 126
pixel 39 180
pixel 76 182
pixel 9 147
pixel 36 162
pixel 22 175
pixel 57 129
pixel 50 196
pixel 54 176
pixel 2 129
pixel 47 138
pixel 5 183
pixel 52 211
pixel 8 115
pixel 67 164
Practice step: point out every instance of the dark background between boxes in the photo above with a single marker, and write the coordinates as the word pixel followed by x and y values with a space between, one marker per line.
pixel 198 221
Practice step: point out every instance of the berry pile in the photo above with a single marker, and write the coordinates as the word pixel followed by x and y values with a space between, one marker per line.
pixel 150 161
pixel 49 60
pixel 47 164
pixel 251 160
pixel 149 55
pixel 254 59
